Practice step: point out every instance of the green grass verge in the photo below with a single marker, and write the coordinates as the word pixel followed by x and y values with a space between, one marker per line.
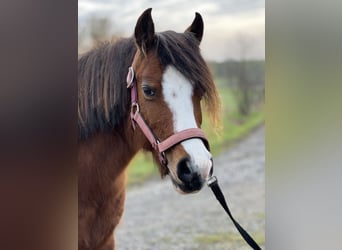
pixel 141 169
pixel 235 127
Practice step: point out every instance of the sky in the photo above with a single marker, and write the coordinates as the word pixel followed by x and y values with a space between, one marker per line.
pixel 233 29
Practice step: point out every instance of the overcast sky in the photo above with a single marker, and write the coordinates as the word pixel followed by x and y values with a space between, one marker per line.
pixel 231 27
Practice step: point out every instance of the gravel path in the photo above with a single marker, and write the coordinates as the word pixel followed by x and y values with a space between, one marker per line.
pixel 157 217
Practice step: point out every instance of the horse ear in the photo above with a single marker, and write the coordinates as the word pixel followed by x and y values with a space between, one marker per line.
pixel 196 27
pixel 144 31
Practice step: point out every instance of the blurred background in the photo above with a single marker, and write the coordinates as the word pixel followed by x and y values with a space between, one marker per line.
pixel 303 106
pixel 233 45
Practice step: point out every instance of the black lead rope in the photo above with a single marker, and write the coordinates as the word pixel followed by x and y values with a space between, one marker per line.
pixel 212 183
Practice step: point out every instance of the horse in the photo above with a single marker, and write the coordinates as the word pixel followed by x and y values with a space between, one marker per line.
pixel 116 120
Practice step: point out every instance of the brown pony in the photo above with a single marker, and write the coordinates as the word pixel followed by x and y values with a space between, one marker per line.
pixel 172 78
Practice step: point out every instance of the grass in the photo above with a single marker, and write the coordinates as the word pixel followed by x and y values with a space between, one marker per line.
pixel 141 169
pixel 235 127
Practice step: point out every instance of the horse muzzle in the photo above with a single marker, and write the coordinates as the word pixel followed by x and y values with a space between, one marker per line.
pixel 190 176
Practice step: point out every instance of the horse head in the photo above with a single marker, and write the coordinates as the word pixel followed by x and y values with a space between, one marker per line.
pixel 171 80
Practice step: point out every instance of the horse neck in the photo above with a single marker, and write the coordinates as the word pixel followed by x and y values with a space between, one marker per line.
pixel 126 143
pixel 111 152
pixel 121 146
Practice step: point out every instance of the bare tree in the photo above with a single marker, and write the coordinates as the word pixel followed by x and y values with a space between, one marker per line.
pixel 244 83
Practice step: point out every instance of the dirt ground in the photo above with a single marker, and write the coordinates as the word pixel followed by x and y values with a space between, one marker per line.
pixel 157 217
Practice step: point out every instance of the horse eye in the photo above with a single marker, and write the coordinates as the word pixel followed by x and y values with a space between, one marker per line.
pixel 148 91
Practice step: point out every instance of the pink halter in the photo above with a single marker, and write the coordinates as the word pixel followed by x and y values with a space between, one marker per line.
pixel 159 146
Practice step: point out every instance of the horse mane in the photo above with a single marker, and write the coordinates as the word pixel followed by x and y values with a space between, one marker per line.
pixel 103 99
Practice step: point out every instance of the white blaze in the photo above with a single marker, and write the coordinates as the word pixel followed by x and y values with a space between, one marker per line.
pixel 178 91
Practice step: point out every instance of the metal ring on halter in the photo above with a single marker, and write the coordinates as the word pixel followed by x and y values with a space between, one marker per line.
pixel 155 146
pixel 136 106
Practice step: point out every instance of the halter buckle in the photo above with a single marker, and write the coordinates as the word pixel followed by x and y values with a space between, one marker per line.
pixel 162 159
pixel 130 77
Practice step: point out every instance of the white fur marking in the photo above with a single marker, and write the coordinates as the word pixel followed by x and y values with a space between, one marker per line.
pixel 182 109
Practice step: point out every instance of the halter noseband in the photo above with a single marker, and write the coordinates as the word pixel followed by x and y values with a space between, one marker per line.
pixel 159 146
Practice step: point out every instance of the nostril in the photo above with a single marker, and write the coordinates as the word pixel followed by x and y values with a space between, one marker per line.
pixel 184 166
pixel 184 170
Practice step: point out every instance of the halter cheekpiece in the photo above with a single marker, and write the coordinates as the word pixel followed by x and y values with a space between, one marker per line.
pixel 137 119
